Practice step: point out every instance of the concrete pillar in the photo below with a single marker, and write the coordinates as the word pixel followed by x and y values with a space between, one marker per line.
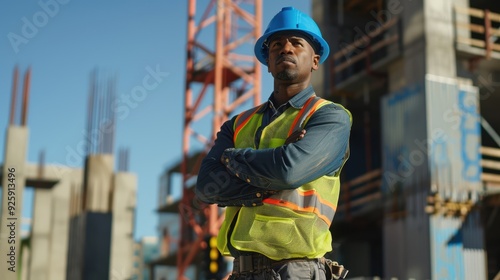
pixel 122 228
pixel 440 48
pixel 75 233
pixel 60 211
pixel 26 258
pixel 13 183
pixel 51 220
pixel 97 182
pixel 462 18
pixel 427 39
pixel 412 16
pixel 41 231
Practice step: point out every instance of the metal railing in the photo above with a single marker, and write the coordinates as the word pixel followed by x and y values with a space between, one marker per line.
pixel 362 54
pixel 490 163
pixel 482 27
pixel 358 193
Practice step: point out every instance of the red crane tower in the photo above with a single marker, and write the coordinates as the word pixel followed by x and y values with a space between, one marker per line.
pixel 219 81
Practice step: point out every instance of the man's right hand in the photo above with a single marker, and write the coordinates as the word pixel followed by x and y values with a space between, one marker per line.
pixel 295 136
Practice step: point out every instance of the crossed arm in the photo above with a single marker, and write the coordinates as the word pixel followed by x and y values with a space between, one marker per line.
pixel 230 176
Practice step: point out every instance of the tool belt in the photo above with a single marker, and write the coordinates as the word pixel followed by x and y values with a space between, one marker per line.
pixel 334 270
pixel 257 262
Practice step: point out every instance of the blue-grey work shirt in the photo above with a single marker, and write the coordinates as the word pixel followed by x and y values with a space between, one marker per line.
pixel 263 171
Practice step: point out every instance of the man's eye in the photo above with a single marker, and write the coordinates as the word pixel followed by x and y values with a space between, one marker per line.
pixel 275 44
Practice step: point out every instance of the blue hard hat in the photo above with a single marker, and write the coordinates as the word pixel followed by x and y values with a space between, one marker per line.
pixel 291 19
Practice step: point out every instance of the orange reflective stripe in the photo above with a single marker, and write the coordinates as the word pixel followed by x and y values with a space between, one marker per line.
pixel 316 104
pixel 242 119
pixel 309 201
pixel 320 199
pixel 298 199
pixel 296 207
pixel 305 113
pixel 302 111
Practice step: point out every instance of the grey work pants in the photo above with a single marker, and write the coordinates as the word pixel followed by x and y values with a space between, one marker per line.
pixel 292 270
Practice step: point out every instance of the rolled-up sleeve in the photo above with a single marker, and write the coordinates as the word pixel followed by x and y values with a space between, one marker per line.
pixel 321 152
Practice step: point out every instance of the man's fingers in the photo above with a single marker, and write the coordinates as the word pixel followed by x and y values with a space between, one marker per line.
pixel 301 133
pixel 295 136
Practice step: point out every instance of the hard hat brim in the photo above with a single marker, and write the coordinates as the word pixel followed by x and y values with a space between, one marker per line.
pixel 261 51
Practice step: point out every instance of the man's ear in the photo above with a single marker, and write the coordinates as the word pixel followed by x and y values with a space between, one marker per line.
pixel 267 63
pixel 315 65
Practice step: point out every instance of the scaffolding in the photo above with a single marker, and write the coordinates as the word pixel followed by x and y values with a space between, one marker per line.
pixel 231 73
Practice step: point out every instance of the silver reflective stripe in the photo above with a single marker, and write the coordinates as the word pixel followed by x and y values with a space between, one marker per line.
pixel 308 201
pixel 304 113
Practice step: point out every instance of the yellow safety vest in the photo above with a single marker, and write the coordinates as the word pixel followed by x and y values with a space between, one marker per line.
pixel 291 223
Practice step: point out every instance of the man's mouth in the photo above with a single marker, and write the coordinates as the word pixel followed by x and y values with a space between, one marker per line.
pixel 286 59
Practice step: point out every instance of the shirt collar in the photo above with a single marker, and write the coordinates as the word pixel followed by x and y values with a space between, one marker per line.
pixel 297 101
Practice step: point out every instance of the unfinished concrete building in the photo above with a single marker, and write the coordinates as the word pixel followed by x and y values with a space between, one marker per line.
pixel 102 212
pixel 101 244
pixel 83 218
pixel 44 254
pixel 420 192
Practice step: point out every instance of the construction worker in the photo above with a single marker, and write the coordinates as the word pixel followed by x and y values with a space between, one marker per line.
pixel 276 166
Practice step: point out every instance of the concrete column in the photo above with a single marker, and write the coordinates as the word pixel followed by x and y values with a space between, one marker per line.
pixel 51 220
pixel 97 182
pixel 440 48
pixel 412 16
pixel 122 228
pixel 13 183
pixel 411 68
pixel 462 18
pixel 60 211
pixel 40 235
pixel 26 258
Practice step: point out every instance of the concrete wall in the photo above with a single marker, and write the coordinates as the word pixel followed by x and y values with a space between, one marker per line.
pixel 431 145
pixel 454 138
pixel 122 228
pixel 96 253
pixel 404 259
pixel 406 183
pixel 76 247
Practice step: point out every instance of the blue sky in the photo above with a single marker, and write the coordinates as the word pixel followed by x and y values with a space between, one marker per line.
pixel 63 41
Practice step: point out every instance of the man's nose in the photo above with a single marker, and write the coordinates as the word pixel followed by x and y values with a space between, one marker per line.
pixel 287 47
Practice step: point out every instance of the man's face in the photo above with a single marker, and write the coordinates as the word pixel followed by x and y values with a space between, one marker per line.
pixel 291 57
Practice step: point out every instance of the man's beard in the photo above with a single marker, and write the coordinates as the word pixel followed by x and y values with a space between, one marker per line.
pixel 286 75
